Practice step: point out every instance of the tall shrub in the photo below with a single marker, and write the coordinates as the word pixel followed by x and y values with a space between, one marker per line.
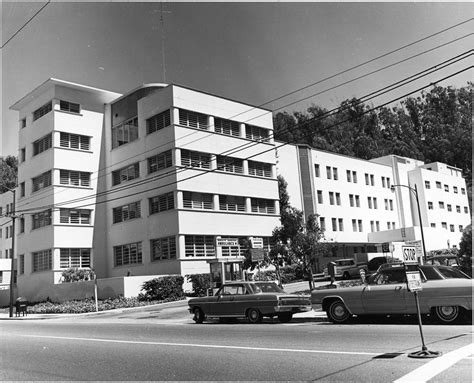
pixel 201 283
pixel 163 288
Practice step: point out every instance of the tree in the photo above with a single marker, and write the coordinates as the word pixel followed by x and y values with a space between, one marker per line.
pixel 306 246
pixel 295 241
pixel 433 127
pixel 8 173
pixel 465 250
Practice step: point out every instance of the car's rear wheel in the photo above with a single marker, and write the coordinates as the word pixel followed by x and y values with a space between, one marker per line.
pixel 285 317
pixel 198 315
pixel 447 314
pixel 254 315
pixel 337 312
pixel 346 275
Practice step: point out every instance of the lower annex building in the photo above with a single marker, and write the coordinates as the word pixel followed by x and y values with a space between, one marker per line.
pixel 170 180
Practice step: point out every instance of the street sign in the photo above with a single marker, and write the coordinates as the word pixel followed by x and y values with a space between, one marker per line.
pixel 257 255
pixel 385 247
pixel 414 281
pixel 418 247
pixel 227 242
pixel 256 242
pixel 409 254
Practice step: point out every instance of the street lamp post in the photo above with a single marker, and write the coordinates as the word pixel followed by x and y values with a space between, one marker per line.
pixel 415 192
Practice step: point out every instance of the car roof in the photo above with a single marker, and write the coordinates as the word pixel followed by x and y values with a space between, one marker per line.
pixel 248 282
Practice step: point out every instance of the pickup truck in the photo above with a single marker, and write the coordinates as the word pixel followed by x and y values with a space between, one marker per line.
pixel 346 268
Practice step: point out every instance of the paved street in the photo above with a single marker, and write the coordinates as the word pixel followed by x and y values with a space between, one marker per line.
pixel 163 343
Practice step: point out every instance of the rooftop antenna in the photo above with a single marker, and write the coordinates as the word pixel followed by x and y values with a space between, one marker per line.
pixel 162 21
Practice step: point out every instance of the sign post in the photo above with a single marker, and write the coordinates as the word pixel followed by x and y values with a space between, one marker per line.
pixel 414 285
pixel 257 253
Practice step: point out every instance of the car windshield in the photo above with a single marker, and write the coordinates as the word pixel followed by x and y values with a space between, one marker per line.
pixel 267 287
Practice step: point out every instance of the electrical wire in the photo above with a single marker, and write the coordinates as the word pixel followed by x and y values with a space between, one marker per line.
pixel 24 25
pixel 203 172
pixel 324 115
pixel 303 88
pixel 26 202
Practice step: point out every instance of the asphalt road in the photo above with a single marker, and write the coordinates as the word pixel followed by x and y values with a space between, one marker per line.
pixel 162 343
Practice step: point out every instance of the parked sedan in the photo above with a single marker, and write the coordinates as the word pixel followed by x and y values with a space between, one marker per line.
pixel 446 294
pixel 251 300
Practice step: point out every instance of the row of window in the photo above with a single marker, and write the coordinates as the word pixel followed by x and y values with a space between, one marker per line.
pixel 8 232
pixel 66 177
pixel 8 253
pixel 65 106
pixel 190 159
pixel 165 248
pixel 354 200
pixel 192 200
pixel 337 224
pixel 66 216
pixel 446 187
pixel 66 140
pixel 43 260
pixel 332 173
pixel 449 207
pixel 128 131
pixel 444 225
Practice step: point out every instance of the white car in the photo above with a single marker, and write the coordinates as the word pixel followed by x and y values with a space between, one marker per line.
pixel 446 294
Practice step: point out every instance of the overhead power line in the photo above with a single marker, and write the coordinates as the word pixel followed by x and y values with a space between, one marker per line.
pixel 315 83
pixel 319 117
pixel 203 172
pixel 24 25
pixel 282 107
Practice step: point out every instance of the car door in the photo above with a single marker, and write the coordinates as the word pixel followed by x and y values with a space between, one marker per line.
pixel 387 295
pixel 225 304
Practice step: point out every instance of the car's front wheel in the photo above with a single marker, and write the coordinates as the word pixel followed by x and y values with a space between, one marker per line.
pixel 337 312
pixel 254 315
pixel 447 314
pixel 346 276
pixel 198 315
pixel 285 317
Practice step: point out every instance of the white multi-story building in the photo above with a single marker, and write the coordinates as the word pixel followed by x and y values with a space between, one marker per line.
pixel 6 245
pixel 363 204
pixel 162 180
pixel 170 180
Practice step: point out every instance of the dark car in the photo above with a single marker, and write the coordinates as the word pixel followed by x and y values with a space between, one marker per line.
pixel 251 300
pixel 374 264
pixel 446 294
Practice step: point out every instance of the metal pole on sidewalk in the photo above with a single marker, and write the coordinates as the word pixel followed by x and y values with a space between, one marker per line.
pixel 424 353
pixel 95 294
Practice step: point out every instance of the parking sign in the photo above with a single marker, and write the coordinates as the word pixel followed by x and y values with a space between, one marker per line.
pixel 414 281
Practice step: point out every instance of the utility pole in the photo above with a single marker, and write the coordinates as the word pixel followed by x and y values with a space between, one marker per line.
pixel 12 255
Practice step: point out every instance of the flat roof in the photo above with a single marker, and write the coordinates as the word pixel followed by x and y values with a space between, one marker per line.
pixel 108 95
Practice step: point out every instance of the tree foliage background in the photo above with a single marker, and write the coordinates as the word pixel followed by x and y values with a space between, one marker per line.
pixel 436 126
pixel 8 173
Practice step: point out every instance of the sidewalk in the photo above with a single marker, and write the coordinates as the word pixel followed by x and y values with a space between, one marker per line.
pixel 289 288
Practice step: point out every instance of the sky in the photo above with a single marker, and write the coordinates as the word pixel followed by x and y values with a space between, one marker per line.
pixel 249 52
